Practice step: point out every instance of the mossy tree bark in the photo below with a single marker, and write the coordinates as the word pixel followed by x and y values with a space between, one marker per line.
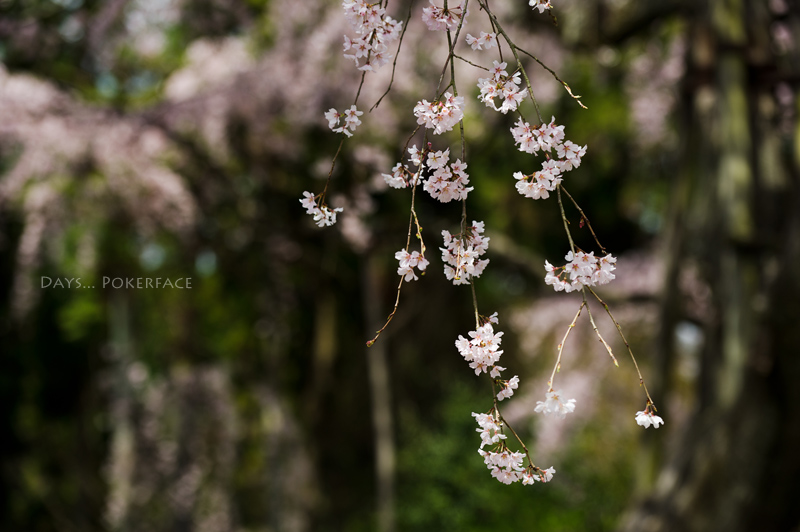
pixel 736 215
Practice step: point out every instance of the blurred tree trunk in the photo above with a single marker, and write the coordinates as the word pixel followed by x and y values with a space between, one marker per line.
pixel 737 216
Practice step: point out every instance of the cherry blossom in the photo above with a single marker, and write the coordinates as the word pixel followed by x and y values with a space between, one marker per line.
pixel 375 31
pixel 440 19
pixel 570 155
pixel 323 216
pixel 351 120
pixel 541 5
pixel 482 350
pixel 461 254
pixel 502 86
pixel 440 115
pixel 486 39
pixel 645 418
pixel 448 181
pixel 583 269
pixel 401 177
pixel 409 261
pixel 508 388
pixel 554 405
pixel 491 430
pixel 539 185
pixel 532 139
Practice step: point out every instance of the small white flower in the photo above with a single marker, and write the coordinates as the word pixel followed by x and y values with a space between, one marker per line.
pixel 322 215
pixel 554 405
pixel 645 418
pixel 548 474
pixel 541 5
pixel 409 261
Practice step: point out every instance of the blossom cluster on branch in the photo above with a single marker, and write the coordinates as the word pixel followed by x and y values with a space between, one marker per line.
pixel 322 215
pixel 447 181
pixel 374 30
pixel 582 269
pixel 461 254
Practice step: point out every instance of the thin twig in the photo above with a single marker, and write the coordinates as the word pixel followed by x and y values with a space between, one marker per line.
pixel 389 319
pixel 597 331
pixel 396 55
pixel 564 219
pixel 516 56
pixel 619 329
pixel 330 173
pixel 474 302
pixel 412 220
pixel 561 347
pixel 576 97
pixel 584 218
pixel 361 84
pixel 470 62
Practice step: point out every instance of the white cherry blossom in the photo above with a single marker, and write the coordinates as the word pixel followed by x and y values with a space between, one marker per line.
pixel 322 215
pixel 555 405
pixel 485 40
pixel 409 261
pixel 440 19
pixel 541 5
pixel 645 418
pixel 462 252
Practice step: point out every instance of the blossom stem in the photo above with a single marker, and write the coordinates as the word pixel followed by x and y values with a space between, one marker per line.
pixel 522 444
pixel 411 222
pixel 474 302
pixel 470 62
pixel 494 27
pixel 360 85
pixel 584 218
pixel 597 331
pixel 619 329
pixel 561 347
pixel 496 23
pixel 564 219
pixel 396 55
pixel 330 173
pixel 576 97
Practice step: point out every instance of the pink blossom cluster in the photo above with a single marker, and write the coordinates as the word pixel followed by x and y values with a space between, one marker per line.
pixel 541 5
pixel 491 430
pixel 440 115
pixel 555 405
pixel 505 466
pixel 482 351
pixel 322 215
pixel 350 122
pixel 461 254
pixel 547 137
pixel 409 261
pixel 375 31
pixel 508 388
pixel 582 269
pixel 532 139
pixel 539 185
pixel 448 181
pixel 486 39
pixel 401 175
pixel 398 178
pixel 569 155
pixel 502 86
pixel 441 19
